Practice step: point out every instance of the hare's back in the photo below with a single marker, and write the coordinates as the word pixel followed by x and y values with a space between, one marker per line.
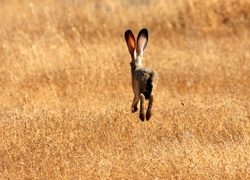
pixel 145 78
pixel 143 74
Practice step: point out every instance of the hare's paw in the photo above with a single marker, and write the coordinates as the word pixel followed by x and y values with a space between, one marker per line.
pixel 148 115
pixel 142 117
pixel 134 109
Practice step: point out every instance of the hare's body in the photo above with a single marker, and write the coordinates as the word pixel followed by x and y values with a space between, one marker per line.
pixel 144 80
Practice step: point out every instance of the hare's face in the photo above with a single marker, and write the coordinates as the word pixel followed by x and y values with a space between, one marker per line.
pixel 132 64
pixel 136 63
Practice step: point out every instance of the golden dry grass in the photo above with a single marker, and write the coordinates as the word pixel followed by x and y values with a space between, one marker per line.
pixel 66 90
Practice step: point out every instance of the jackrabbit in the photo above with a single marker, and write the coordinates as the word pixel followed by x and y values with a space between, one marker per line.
pixel 144 80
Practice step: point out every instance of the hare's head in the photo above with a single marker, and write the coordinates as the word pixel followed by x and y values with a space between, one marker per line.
pixel 137 47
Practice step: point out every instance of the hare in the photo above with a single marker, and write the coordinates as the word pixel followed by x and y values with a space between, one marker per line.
pixel 144 80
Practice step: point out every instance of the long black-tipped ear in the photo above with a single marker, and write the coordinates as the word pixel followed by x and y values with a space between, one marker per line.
pixel 130 40
pixel 142 41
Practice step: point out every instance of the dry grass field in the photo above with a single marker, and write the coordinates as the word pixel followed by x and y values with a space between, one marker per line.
pixel 65 90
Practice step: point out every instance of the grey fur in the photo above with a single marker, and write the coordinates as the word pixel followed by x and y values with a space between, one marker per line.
pixel 144 80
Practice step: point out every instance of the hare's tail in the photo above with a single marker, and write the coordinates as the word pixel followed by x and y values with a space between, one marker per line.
pixel 149 85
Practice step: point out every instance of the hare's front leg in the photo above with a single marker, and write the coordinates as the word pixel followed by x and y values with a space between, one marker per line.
pixel 150 104
pixel 142 102
pixel 135 103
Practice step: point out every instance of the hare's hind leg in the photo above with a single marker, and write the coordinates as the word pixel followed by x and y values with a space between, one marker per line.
pixel 150 104
pixel 142 102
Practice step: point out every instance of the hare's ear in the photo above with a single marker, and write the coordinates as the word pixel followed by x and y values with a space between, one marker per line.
pixel 130 40
pixel 142 41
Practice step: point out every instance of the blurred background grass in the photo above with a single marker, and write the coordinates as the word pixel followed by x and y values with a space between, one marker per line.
pixel 66 90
